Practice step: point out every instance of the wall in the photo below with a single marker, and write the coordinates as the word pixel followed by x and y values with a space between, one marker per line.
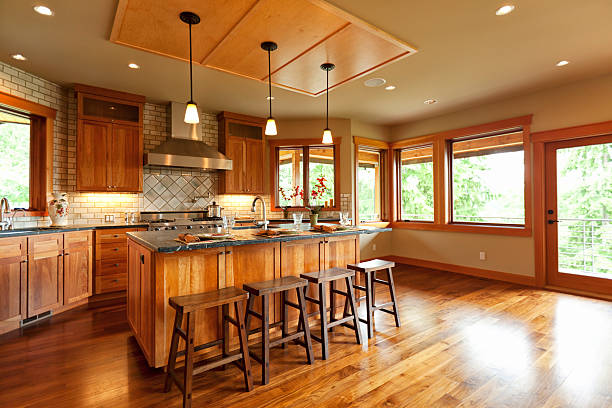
pixel 578 103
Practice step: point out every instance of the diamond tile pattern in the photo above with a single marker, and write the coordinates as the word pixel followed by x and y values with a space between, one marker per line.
pixel 178 189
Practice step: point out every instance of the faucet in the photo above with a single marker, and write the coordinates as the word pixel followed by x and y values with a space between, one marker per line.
pixel 15 211
pixel 264 223
pixel 5 209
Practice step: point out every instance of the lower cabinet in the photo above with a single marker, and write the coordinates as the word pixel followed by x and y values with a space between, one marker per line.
pixel 13 282
pixel 45 273
pixel 111 260
pixel 141 297
pixel 41 273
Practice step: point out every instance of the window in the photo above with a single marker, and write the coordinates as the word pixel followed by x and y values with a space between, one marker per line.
pixel 15 166
pixel 298 169
pixel 371 180
pixel 474 179
pixel 416 183
pixel 488 182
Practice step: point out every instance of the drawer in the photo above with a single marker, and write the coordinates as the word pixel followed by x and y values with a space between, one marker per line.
pixel 12 247
pixel 116 250
pixel 111 267
pixel 111 283
pixel 77 239
pixel 112 235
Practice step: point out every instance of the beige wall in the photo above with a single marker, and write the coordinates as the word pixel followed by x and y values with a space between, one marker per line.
pixel 578 103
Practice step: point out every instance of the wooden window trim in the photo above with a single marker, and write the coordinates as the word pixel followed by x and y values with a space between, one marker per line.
pixel 41 151
pixel 304 143
pixel 384 149
pixel 442 178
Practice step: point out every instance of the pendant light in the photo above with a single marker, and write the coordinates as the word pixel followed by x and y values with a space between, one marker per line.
pixel 191 111
pixel 327 133
pixel 270 123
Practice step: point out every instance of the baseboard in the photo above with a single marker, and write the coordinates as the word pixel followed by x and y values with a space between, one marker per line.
pixel 107 299
pixel 464 270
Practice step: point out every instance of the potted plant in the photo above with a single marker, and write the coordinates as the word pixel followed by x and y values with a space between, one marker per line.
pixel 317 192
pixel 288 196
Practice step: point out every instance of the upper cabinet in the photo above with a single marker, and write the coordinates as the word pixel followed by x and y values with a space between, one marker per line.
pixel 109 140
pixel 241 138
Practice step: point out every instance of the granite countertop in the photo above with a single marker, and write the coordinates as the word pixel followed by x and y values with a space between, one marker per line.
pixel 77 227
pixel 165 241
pixel 288 220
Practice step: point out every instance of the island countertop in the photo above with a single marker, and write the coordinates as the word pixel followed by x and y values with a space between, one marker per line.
pixel 165 241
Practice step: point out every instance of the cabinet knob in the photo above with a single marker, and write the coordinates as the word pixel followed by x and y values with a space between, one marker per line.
pixel 115 280
pixel 116 264
pixel 67 253
pixel 116 236
pixel 115 249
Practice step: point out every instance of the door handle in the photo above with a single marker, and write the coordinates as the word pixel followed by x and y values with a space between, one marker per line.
pixel 552 221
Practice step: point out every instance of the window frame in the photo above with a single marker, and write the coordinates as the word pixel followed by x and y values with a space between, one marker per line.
pixel 41 150
pixel 442 163
pixel 383 148
pixel 305 144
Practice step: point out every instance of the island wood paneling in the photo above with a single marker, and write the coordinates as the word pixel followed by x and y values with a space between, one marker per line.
pixel 308 33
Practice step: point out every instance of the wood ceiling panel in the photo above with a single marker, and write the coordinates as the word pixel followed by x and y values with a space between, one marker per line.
pixel 295 25
pixel 355 52
pixel 308 33
pixel 155 25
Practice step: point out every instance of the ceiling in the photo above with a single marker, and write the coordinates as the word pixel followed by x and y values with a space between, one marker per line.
pixel 467 56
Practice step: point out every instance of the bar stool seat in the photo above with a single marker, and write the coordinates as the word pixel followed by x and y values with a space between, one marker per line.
pixel 321 278
pixel 369 269
pixel 189 304
pixel 264 289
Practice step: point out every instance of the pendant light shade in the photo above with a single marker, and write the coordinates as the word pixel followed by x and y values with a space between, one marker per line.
pixel 191 111
pixel 327 133
pixel 271 123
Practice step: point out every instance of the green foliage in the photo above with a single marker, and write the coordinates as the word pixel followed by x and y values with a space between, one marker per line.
pixel 316 171
pixel 417 191
pixel 15 163
pixel 367 193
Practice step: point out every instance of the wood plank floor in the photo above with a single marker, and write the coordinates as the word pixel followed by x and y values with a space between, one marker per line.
pixel 464 342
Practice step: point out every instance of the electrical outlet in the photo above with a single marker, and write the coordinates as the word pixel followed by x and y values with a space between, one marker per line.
pixel 373 247
pixel 483 256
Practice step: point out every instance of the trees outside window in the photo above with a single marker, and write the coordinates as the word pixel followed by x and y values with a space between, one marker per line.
pixel 15 165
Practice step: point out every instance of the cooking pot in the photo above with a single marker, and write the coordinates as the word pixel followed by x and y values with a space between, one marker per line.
pixel 214 210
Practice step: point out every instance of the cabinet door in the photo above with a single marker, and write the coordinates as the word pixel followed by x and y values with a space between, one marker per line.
pixel 234 179
pixel 13 279
pixel 92 156
pixel 45 286
pixel 77 266
pixel 302 256
pixel 255 165
pixel 125 158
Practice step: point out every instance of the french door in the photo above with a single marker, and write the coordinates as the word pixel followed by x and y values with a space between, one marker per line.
pixel 579 214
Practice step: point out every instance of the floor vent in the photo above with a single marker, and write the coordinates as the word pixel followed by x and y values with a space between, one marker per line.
pixel 33 319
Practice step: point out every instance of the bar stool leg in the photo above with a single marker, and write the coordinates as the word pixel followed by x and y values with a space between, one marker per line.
pixel 247 323
pixel 188 384
pixel 393 298
pixel 178 322
pixel 369 310
pixel 332 303
pixel 373 281
pixel 351 300
pixel 323 314
pixel 265 340
pixel 244 346
pixel 226 331
pixel 304 321
pixel 284 316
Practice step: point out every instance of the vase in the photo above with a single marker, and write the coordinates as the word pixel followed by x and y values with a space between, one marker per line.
pixel 285 214
pixel 58 210
pixel 314 219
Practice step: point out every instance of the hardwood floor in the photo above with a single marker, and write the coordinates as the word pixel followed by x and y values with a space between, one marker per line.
pixel 463 342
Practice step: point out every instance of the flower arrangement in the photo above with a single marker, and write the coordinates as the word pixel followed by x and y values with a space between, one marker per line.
pixel 289 196
pixel 317 192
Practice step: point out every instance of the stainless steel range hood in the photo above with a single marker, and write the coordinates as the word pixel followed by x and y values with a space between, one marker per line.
pixel 185 147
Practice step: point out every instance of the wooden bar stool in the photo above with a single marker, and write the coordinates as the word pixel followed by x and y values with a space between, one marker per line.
pixel 321 279
pixel 189 304
pixel 369 269
pixel 264 290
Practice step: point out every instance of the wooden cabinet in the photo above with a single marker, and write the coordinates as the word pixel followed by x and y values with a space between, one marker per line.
pixel 111 259
pixel 13 282
pixel 241 138
pixel 45 273
pixel 109 140
pixel 78 276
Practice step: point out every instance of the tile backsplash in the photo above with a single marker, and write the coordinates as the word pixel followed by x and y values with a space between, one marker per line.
pixel 175 189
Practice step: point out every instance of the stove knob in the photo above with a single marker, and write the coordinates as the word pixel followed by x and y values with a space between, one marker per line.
pixel 156 229
pixel 189 226
pixel 202 226
pixel 173 227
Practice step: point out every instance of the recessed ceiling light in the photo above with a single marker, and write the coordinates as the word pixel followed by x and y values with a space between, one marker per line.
pixel 375 82
pixel 44 10
pixel 503 10
pixel 19 57
pixel 562 63
pixel 133 65
pixel 430 101
pixel 269 98
pixel 390 87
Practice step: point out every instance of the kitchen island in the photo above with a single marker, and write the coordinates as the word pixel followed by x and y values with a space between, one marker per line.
pixel 160 267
